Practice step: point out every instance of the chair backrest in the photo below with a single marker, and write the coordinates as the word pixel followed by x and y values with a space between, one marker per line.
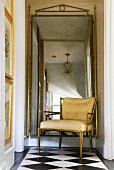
pixel 77 108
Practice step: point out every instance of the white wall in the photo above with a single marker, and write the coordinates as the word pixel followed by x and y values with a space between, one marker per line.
pixel 19 73
pixel 7 151
pixel 109 79
pixel 2 87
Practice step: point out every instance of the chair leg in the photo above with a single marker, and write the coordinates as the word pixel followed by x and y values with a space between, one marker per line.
pixel 90 133
pixel 81 143
pixel 38 140
pixel 60 140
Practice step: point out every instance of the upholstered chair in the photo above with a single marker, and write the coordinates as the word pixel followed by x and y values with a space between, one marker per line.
pixel 76 116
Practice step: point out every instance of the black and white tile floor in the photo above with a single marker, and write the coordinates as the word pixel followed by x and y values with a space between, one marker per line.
pixel 61 159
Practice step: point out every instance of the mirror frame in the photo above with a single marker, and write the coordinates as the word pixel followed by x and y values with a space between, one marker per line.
pixel 46 12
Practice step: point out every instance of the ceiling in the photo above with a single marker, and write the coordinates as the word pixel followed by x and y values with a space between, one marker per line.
pixel 67 28
pixel 58 49
pixel 63 35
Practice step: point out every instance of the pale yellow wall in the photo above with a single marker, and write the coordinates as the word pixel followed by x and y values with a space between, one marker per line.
pixel 38 4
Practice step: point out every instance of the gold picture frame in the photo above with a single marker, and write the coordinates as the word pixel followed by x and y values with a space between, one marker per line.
pixel 9 6
pixel 9 69
pixel 8 44
pixel 8 110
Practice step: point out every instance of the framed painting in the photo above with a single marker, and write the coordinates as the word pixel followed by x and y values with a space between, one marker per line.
pixel 8 46
pixel 9 55
pixel 8 110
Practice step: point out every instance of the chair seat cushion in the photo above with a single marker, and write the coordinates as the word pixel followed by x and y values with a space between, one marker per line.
pixel 66 125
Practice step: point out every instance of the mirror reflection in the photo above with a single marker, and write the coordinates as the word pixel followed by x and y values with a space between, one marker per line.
pixel 65 48
pixel 75 50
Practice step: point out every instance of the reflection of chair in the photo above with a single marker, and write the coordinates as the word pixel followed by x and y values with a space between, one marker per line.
pixel 76 116
pixel 49 114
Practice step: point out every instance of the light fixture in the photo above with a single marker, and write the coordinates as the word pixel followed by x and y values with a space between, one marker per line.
pixel 54 56
pixel 67 68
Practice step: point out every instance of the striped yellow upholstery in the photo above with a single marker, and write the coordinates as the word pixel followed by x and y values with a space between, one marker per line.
pixel 66 125
pixel 77 109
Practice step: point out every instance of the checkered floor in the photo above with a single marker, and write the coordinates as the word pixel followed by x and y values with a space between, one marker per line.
pixel 61 159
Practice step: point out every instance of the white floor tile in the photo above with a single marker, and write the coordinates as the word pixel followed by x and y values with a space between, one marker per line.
pixel 63 164
pixel 62 157
pixel 28 162
pixel 32 156
pixel 93 158
pixel 98 165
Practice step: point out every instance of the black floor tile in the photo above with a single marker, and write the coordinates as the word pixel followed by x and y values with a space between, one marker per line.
pixel 40 167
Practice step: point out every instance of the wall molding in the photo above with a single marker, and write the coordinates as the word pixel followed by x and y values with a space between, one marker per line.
pixel 9 150
pixel 3 166
pixel 9 157
pixel 19 74
pixel 108 79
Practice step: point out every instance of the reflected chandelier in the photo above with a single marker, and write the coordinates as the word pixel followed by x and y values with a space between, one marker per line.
pixel 67 68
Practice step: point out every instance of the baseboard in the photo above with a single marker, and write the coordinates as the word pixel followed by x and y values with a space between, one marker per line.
pixel 3 166
pixel 9 156
pixel 100 146
pixel 54 141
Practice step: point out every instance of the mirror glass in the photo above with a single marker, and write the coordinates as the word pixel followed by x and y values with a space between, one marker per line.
pixel 68 59
pixel 69 41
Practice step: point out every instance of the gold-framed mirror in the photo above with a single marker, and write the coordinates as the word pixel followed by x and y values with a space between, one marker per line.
pixel 53 32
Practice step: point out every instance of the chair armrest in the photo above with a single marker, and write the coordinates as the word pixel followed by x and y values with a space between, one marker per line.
pixel 89 118
pixel 50 113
